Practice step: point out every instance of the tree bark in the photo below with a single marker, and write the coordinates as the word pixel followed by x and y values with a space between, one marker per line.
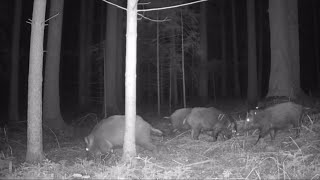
pixel 260 48
pixel 129 147
pixel 293 28
pixel 182 65
pixel 82 75
pixel 284 73
pixel 174 74
pixel 15 56
pixel 158 68
pixel 203 77
pixel 110 91
pixel 34 142
pixel 51 99
pixel 223 51
pixel 236 90
pixel 89 37
pixel 252 56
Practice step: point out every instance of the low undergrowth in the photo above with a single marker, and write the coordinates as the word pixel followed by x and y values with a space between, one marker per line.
pixel 180 158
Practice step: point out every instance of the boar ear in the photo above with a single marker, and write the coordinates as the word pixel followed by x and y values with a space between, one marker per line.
pixel 87 140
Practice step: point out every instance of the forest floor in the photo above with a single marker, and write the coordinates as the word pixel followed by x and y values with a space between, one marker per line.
pixel 179 156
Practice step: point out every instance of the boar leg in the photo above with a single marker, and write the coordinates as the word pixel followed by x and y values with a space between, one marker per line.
pixel 297 128
pixel 105 146
pixel 262 134
pixel 215 134
pixel 195 133
pixel 273 133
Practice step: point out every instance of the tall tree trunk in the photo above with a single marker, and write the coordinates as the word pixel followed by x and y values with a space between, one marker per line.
pixel 34 141
pixel 15 56
pixel 260 47
pixel 102 16
pixel 223 51
pixel 252 56
pixel 236 90
pixel 158 68
pixel 110 70
pixel 129 147
pixel 51 99
pixel 170 84
pixel 102 32
pixel 182 65
pixel 120 61
pixel 174 73
pixel 82 75
pixel 293 29
pixel 284 43
pixel 203 79
pixel 89 37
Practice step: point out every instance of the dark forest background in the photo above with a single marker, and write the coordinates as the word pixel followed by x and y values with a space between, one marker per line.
pixel 146 72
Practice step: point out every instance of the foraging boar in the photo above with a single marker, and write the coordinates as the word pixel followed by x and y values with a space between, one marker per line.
pixel 177 118
pixel 109 134
pixel 274 118
pixel 210 119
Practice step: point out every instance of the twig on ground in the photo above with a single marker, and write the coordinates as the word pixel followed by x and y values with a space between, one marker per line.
pixel 176 137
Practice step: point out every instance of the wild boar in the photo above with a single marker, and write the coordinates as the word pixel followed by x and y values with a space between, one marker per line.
pixel 206 119
pixel 109 134
pixel 277 117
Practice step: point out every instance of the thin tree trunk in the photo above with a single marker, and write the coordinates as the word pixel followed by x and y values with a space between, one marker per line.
pixel 252 56
pixel 170 85
pixel 236 89
pixel 182 66
pixel 15 56
pixel 34 141
pixel 89 37
pixel 102 32
pixel 260 48
pixel 82 75
pixel 129 147
pixel 223 51
pixel 110 70
pixel 174 74
pixel 203 79
pixel 102 15
pixel 51 99
pixel 158 68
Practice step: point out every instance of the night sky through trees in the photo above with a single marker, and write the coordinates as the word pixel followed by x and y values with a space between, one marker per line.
pixel 146 74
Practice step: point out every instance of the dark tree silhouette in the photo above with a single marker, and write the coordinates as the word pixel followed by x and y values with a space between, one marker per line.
pixel 252 56
pixel 51 96
pixel 15 56
pixel 284 74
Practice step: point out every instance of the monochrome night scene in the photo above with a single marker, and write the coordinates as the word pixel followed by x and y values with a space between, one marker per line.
pixel 160 89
